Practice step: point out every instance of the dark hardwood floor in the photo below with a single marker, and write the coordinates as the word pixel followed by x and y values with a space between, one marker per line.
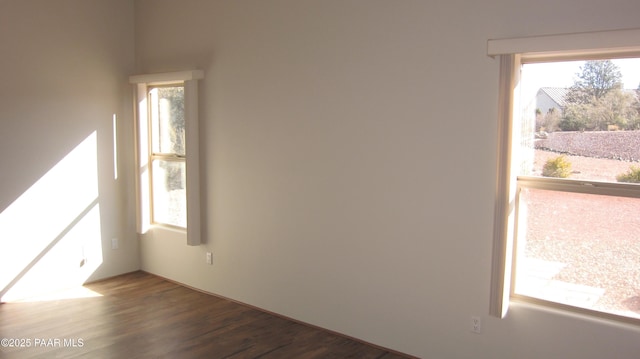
pixel 142 315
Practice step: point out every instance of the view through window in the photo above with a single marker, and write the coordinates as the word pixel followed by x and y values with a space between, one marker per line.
pixel 168 162
pixel 578 211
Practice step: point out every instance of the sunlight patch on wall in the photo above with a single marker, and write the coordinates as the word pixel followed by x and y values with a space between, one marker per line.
pixel 115 146
pixel 50 237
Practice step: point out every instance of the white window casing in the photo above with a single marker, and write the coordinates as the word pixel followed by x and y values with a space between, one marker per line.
pixel 143 198
pixel 504 217
pixel 583 44
pixel 512 53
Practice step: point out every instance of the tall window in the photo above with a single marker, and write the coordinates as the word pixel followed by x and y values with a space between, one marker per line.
pixel 167 155
pixel 577 192
pixel 567 223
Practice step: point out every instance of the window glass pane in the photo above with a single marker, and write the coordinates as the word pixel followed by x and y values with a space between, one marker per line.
pixel 169 196
pixel 581 119
pixel 167 120
pixel 580 249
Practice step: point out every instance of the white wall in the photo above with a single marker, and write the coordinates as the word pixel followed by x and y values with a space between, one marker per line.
pixel 63 76
pixel 348 161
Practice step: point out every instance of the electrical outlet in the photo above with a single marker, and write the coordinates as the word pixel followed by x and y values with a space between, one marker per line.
pixel 114 243
pixel 476 324
pixel 209 258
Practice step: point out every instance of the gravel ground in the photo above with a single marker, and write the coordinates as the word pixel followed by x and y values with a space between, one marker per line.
pixel 596 237
pixel 616 145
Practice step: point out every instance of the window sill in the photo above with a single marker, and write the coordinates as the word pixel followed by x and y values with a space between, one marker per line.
pixel 168 228
pixel 521 302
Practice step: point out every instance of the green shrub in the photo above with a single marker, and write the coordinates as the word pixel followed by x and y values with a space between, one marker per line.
pixel 557 167
pixel 631 176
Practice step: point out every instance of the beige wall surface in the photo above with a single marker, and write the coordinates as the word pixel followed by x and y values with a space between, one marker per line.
pixel 348 161
pixel 348 154
pixel 63 174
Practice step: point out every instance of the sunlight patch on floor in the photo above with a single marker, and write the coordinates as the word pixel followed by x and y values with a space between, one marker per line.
pixel 71 293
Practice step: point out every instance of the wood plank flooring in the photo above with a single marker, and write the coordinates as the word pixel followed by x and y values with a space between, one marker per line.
pixel 139 315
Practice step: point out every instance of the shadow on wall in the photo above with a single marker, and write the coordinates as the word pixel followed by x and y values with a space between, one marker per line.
pixel 50 237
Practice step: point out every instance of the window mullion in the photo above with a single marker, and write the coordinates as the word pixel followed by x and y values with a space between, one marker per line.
pixel 580 186
pixel 168 156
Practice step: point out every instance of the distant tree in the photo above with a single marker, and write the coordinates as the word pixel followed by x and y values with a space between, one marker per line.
pixel 595 79
pixel 548 122
pixel 596 100
pixel 619 108
pixel 174 98
pixel 576 117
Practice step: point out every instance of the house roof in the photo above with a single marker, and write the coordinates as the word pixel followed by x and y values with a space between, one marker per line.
pixel 557 94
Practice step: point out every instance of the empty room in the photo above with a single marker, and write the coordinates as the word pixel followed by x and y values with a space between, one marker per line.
pixel 335 178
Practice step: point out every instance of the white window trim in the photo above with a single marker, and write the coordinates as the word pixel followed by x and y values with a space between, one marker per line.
pixel 504 213
pixel 143 200
pixel 513 52
pixel 576 44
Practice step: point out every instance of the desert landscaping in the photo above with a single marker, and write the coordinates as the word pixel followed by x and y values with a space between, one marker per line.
pixel 582 249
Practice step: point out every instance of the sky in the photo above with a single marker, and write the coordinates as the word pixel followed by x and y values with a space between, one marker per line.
pixel 562 74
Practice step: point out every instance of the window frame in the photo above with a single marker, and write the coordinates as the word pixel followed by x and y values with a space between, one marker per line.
pixel 513 53
pixel 143 154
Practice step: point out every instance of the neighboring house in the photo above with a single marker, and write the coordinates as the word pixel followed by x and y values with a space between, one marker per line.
pixel 555 97
pixel 551 97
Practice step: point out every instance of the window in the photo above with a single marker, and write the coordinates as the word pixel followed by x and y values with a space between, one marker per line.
pixel 167 155
pixel 167 152
pixel 577 197
pixel 567 230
